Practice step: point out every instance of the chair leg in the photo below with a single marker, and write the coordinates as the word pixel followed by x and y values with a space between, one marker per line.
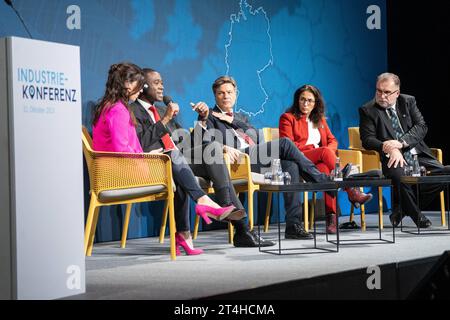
pixel 196 225
pixel 363 215
pixel 380 208
pixel 313 208
pixel 250 209
pixel 269 206
pixel 443 222
pixel 90 218
pixel 230 233
pixel 172 229
pixel 126 222
pixel 92 233
pixel 162 231
pixel 305 211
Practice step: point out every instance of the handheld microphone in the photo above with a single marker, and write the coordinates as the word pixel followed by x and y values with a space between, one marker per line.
pixel 9 3
pixel 168 100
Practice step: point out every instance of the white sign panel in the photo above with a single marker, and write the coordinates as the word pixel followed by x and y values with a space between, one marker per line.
pixel 48 173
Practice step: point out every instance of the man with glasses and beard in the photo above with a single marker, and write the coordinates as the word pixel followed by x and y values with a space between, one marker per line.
pixel 392 124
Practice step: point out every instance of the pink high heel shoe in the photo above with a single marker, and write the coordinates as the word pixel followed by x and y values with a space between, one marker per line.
pixel 205 212
pixel 180 242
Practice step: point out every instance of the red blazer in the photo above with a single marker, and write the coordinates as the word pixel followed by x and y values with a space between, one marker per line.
pixel 297 130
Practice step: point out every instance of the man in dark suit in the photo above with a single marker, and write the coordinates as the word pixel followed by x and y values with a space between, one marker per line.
pixel 238 135
pixel 392 124
pixel 153 130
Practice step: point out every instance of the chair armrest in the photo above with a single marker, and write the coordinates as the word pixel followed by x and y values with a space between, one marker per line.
pixel 438 154
pixel 350 156
pixel 370 159
pixel 367 152
pixel 241 169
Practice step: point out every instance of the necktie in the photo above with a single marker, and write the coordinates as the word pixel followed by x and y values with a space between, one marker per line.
pixel 243 135
pixel 398 134
pixel 167 142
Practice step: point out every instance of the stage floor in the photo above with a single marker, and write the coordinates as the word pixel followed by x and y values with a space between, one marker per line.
pixel 143 270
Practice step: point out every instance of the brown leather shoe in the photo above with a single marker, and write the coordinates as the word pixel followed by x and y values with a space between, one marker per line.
pixel 331 223
pixel 357 197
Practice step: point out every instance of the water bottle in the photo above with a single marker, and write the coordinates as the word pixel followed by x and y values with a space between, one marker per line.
pixel 416 166
pixel 337 170
pixel 268 177
pixel 287 178
pixel 408 170
pixel 277 174
pixel 423 171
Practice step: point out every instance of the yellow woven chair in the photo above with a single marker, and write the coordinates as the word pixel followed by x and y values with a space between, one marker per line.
pixel 438 154
pixel 269 135
pixel 346 156
pixel 244 180
pixel 356 157
pixel 126 178
pixel 371 160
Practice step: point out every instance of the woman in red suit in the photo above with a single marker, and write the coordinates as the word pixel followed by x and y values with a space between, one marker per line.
pixel 304 123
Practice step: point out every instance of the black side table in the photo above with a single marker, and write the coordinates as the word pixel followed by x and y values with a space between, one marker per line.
pixel 300 187
pixel 356 183
pixel 417 181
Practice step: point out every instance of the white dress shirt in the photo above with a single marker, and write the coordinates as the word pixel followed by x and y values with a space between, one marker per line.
pixel 147 106
pixel 313 134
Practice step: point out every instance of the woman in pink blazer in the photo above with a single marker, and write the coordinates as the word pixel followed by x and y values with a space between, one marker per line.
pixel 304 123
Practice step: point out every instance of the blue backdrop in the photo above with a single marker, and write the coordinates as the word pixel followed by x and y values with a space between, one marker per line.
pixel 270 47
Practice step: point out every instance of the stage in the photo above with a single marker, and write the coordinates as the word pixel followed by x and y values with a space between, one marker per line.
pixel 143 270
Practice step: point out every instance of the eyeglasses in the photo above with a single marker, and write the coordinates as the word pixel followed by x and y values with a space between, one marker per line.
pixel 307 101
pixel 386 93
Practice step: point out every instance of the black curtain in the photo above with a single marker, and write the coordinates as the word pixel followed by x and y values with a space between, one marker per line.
pixel 419 52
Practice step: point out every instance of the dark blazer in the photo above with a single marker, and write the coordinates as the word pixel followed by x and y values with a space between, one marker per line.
pixel 240 122
pixel 149 132
pixel 375 127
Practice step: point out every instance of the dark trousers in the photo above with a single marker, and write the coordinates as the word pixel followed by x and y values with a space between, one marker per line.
pixel 292 161
pixel 217 172
pixel 186 186
pixel 406 192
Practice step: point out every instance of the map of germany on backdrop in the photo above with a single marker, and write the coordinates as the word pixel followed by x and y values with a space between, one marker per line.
pixel 270 47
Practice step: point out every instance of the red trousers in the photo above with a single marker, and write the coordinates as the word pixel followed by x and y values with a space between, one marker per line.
pixel 324 158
